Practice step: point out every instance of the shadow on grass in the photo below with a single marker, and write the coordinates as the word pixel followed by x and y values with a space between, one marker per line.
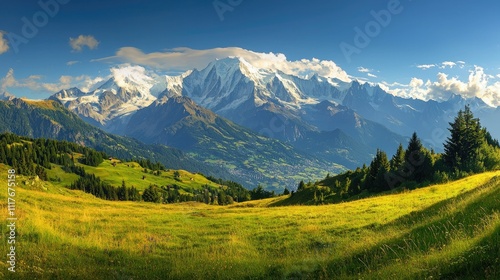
pixel 431 229
pixel 480 262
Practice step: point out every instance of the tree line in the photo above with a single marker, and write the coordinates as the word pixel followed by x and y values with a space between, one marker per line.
pixel 469 149
pixel 31 157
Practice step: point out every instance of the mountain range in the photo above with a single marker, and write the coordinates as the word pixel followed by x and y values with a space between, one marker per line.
pixel 242 117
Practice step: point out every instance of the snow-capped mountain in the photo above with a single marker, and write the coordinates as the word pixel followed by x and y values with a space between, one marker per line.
pixel 6 96
pixel 225 84
pixel 128 90
pixel 299 110
pixel 279 105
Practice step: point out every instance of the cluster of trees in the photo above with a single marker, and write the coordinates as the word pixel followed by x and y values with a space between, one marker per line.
pixel 469 149
pixel 92 184
pixel 148 164
pixel 227 193
pixel 234 189
pixel 260 193
pixel 171 194
pixel 32 157
pixel 166 194
pixel 92 157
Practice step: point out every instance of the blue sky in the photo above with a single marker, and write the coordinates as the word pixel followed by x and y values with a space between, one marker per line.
pixel 419 48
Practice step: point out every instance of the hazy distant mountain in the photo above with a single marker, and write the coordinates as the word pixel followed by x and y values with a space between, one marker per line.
pixel 179 122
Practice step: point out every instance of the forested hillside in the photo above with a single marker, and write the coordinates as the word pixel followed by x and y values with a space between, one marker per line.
pixel 50 160
pixel 470 149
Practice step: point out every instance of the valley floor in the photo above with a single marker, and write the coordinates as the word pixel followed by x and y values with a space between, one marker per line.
pixel 444 231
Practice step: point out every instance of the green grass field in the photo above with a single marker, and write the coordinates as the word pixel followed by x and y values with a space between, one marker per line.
pixel 132 173
pixel 444 231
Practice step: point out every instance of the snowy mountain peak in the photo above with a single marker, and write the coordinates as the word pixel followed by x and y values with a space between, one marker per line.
pixel 132 79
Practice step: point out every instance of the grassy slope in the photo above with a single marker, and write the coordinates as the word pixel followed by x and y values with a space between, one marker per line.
pixel 440 231
pixel 132 173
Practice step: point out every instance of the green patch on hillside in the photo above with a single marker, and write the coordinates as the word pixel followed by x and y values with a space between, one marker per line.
pixel 133 175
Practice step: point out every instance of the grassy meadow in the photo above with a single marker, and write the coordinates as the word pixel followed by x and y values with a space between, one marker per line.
pixel 132 173
pixel 443 231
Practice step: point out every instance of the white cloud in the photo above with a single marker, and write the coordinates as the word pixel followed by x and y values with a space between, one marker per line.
pixel 426 66
pixel 395 84
pixel 35 84
pixel 7 81
pixel 371 75
pixel 477 85
pixel 449 64
pixel 363 70
pixel 4 46
pixel 73 62
pixel 89 41
pixel 183 59
pixel 443 65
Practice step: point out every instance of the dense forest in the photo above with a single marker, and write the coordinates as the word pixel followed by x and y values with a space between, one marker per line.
pixel 470 149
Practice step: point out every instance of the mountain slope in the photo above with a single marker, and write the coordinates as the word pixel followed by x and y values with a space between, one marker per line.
pixel 179 122
pixel 49 119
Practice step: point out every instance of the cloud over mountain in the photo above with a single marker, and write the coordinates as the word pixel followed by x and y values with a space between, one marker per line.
pixel 183 59
pixel 35 83
pixel 478 84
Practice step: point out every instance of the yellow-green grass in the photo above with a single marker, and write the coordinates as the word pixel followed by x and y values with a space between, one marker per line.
pixel 437 231
pixel 132 173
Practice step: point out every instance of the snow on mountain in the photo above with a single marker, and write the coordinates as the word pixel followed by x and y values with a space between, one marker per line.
pixel 256 96
pixel 6 96
pixel 129 89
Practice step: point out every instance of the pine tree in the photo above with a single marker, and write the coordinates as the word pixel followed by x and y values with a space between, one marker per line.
pixel 151 194
pixel 301 186
pixel 379 166
pixel 461 150
pixel 398 160
pixel 123 192
pixel 418 161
